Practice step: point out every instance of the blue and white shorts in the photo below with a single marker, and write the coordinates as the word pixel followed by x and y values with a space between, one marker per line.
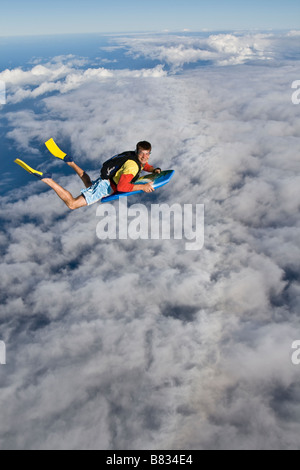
pixel 99 189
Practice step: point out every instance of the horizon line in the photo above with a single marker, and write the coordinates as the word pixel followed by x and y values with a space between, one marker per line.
pixel 165 31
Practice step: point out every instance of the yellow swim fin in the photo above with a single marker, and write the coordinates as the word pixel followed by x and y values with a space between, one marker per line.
pixel 30 170
pixel 56 151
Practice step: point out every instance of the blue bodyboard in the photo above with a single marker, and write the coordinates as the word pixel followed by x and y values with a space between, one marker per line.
pixel 158 180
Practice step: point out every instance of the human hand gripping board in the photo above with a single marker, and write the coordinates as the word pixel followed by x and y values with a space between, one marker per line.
pixel 158 180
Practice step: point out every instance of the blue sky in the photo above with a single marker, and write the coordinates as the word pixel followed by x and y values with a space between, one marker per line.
pixel 84 16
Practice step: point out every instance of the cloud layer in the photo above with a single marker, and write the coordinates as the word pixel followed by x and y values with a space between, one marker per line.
pixel 123 344
pixel 218 49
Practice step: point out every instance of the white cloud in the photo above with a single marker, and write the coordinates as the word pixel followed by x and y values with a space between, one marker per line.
pixel 220 49
pixel 66 73
pixel 62 78
pixel 140 344
pixel 294 33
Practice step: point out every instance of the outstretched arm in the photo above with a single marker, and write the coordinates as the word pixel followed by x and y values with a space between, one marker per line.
pixel 147 188
pixel 151 169
pixel 125 185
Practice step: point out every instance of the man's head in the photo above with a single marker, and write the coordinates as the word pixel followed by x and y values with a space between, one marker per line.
pixel 143 150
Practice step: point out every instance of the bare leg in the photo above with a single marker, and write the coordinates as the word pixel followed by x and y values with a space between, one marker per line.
pixel 82 174
pixel 64 195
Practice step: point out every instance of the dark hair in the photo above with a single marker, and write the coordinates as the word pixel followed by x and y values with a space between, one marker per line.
pixel 143 145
